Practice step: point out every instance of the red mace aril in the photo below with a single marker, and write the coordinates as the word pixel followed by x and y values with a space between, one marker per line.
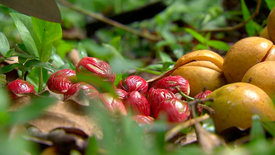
pixel 134 83
pixel 75 90
pixel 61 81
pixel 122 94
pixel 19 87
pixel 202 95
pixel 138 103
pixel 143 120
pixel 157 97
pixel 96 67
pixel 171 82
pixel 175 110
pixel 114 105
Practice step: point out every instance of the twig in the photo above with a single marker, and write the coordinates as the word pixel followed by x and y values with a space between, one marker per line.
pixel 207 108
pixel 200 101
pixel 184 95
pixel 172 132
pixel 109 21
pixel 232 28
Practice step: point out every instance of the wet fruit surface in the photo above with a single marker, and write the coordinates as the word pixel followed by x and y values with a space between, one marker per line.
pixel 236 103
pixel 19 86
pixel 203 69
pixel 244 54
pixel 263 76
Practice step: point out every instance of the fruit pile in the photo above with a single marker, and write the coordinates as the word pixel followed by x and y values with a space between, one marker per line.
pixel 242 83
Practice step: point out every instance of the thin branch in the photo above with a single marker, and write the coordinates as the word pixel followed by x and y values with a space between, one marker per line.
pixel 240 25
pixel 174 131
pixel 109 21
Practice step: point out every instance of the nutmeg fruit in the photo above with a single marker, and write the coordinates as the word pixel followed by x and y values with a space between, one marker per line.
pixel 271 25
pixel 202 68
pixel 134 83
pixel 138 103
pixel 244 54
pixel 263 76
pixel 20 87
pixel 61 81
pixel 96 67
pixel 236 103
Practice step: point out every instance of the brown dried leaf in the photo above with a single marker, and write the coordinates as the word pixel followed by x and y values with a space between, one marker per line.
pixel 68 116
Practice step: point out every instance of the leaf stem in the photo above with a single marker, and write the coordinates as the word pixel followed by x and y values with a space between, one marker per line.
pixel 40 85
pixel 189 98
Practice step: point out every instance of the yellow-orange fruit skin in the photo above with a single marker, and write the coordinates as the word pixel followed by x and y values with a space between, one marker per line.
pixel 200 55
pixel 200 78
pixel 244 54
pixel 263 76
pixel 264 33
pixel 271 24
pixel 236 103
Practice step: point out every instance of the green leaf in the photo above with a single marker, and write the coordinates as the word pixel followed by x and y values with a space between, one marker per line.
pixel 4 44
pixel 249 27
pixel 25 29
pixel 196 35
pixel 270 127
pixel 47 33
pixel 3 80
pixel 270 4
pixel 164 57
pixel 115 42
pixel 8 68
pixel 256 131
pixel 218 45
pixel 92 148
pixel 31 111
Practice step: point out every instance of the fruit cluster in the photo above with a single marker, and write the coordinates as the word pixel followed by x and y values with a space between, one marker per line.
pixel 133 93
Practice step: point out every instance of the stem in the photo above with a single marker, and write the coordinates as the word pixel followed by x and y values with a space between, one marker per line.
pixel 109 21
pixel 189 98
pixel 232 28
pixel 149 71
pixel 40 85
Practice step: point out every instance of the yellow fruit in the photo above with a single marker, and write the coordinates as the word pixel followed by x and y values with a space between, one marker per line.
pixel 236 103
pixel 271 24
pixel 244 54
pixel 201 55
pixel 264 33
pixel 263 76
pixel 202 69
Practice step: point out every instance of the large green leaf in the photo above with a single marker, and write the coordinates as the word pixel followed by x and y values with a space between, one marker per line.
pixel 256 131
pixel 44 9
pixel 25 29
pixel 246 14
pixel 4 44
pixel 47 33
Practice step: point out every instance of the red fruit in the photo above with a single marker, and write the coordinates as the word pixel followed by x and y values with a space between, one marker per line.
pixel 122 94
pixel 142 120
pixel 176 110
pixel 134 83
pixel 157 97
pixel 96 67
pixel 171 82
pixel 202 95
pixel 114 105
pixel 61 81
pixel 138 103
pixel 74 91
pixel 19 87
